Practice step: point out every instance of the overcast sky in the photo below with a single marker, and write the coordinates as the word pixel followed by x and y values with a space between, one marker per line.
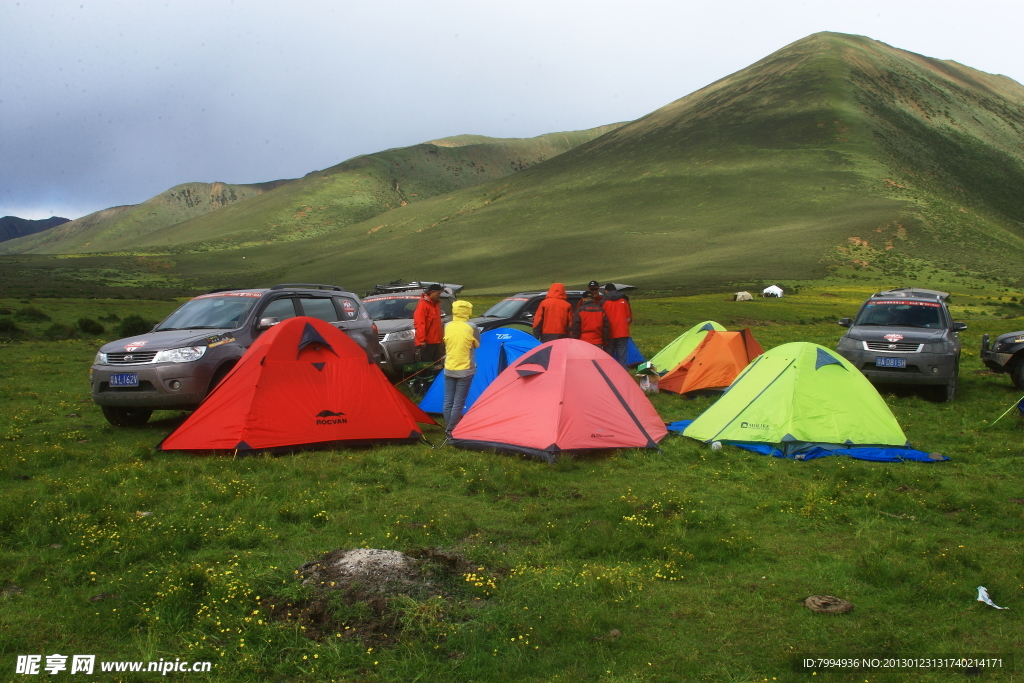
pixel 109 103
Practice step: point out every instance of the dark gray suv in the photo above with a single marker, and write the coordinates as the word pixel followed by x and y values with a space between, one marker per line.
pixel 905 336
pixel 392 307
pixel 176 365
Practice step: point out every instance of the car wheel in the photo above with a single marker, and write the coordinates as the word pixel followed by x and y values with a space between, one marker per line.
pixel 126 417
pixel 945 393
pixel 218 376
pixel 1017 373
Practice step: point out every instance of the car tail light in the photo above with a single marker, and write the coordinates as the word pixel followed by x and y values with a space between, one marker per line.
pixel 375 332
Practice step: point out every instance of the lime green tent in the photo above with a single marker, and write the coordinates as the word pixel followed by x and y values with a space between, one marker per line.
pixel 676 351
pixel 798 395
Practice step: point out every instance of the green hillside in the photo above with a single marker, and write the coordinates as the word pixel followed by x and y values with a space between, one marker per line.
pixel 348 193
pixel 111 229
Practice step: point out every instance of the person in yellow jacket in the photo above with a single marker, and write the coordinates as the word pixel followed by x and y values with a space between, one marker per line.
pixel 460 341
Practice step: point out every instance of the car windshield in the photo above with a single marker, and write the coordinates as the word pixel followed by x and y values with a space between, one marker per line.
pixel 506 308
pixel 901 314
pixel 399 307
pixel 211 312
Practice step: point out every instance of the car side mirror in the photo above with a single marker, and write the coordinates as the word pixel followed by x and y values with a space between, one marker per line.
pixel 267 323
pixel 959 327
pixel 845 322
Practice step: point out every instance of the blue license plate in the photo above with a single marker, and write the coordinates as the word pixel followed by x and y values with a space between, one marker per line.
pixel 884 362
pixel 125 379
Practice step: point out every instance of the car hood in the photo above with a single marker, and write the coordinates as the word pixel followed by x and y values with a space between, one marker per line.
pixel 159 341
pixel 396 325
pixel 910 335
pixel 1010 338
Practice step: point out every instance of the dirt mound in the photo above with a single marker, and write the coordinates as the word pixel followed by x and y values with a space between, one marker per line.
pixel 366 571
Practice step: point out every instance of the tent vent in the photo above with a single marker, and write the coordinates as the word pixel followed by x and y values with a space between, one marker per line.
pixel 318 366
pixel 826 358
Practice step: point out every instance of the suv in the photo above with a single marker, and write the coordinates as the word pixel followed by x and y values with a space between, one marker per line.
pixel 176 365
pixel 391 307
pixel 905 336
pixel 1005 355
pixel 518 309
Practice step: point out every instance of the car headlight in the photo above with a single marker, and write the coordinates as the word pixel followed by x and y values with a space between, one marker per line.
pixel 935 347
pixel 847 344
pixel 183 355
pixel 404 335
pixel 100 359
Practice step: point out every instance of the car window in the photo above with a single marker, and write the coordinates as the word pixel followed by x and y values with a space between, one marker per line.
pixel 901 314
pixel 446 306
pixel 392 307
pixel 211 312
pixel 506 308
pixel 532 306
pixel 281 309
pixel 319 308
pixel 349 308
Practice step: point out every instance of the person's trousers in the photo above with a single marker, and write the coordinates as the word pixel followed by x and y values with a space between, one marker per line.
pixel 455 391
pixel 431 352
pixel 618 348
pixel 544 338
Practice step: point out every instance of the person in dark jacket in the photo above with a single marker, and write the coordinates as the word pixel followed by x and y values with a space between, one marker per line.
pixel 554 315
pixel 620 315
pixel 427 320
pixel 589 323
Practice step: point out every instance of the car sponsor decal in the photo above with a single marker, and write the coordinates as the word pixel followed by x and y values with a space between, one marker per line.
pixel 516 298
pixel 1018 340
pixel 893 337
pixel 391 298
pixel 254 295
pixel 907 303
pixel 329 417
pixel 219 339
pixel 349 308
pixel 131 346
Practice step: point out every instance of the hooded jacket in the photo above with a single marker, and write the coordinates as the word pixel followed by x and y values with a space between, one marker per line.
pixel 620 315
pixel 427 319
pixel 590 324
pixel 554 315
pixel 460 338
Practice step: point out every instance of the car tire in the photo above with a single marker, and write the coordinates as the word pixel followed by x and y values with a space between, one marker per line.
pixel 1017 373
pixel 946 393
pixel 126 417
pixel 221 373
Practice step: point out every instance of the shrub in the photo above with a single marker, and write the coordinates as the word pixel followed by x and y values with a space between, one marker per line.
pixel 31 314
pixel 5 311
pixel 8 329
pixel 134 324
pixel 58 331
pixel 90 326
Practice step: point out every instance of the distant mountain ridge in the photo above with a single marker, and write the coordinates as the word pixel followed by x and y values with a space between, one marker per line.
pixel 12 227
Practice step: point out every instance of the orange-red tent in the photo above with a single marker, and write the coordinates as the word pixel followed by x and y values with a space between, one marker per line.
pixel 566 395
pixel 714 364
pixel 303 383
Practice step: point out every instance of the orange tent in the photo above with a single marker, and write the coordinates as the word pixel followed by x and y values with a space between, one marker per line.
pixel 714 364
pixel 302 384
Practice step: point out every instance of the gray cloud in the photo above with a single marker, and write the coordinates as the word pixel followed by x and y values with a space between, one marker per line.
pixel 107 103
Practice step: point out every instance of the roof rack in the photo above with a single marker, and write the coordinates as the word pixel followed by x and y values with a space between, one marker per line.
pixel 914 292
pixel 223 289
pixel 402 286
pixel 303 285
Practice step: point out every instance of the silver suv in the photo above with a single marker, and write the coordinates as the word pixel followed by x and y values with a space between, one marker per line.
pixel 391 307
pixel 176 365
pixel 905 336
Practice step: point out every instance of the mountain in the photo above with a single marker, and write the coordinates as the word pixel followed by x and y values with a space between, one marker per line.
pixel 202 217
pixel 12 226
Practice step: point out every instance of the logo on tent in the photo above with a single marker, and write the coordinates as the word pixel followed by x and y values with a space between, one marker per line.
pixel 331 413
pixel 601 436
pixel 754 425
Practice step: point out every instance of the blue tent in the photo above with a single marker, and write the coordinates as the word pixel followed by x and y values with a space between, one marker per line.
pixel 499 348
pixel 633 355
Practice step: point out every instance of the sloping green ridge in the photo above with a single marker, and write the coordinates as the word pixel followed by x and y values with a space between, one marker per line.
pixel 109 229
pixel 835 149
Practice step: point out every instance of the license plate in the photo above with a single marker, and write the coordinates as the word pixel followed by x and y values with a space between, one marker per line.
pixel 125 379
pixel 884 362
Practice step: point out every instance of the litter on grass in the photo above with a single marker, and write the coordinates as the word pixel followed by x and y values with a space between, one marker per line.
pixel 983 597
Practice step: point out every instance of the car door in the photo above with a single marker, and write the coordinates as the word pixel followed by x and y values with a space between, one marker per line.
pixel 281 308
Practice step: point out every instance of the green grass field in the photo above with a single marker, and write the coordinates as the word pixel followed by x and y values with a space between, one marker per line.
pixel 680 565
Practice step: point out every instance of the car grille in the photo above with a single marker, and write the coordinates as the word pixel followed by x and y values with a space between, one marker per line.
pixel 895 347
pixel 381 335
pixel 133 358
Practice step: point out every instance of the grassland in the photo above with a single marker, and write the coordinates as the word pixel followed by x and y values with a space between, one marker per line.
pixel 683 564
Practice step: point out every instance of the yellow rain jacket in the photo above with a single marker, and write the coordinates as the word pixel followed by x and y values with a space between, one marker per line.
pixel 460 338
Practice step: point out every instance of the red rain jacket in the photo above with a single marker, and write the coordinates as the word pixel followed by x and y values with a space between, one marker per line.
pixel 619 313
pixel 590 324
pixel 427 320
pixel 554 315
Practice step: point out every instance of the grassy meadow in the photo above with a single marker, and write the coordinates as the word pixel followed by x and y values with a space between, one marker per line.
pixel 679 565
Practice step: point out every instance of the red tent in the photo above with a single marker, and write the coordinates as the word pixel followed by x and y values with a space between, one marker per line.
pixel 714 364
pixel 566 395
pixel 302 383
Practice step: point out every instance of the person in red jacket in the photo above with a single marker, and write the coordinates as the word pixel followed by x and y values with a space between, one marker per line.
pixel 590 324
pixel 620 315
pixel 427 320
pixel 554 315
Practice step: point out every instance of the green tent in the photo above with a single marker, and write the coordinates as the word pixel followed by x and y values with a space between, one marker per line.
pixel 676 351
pixel 797 395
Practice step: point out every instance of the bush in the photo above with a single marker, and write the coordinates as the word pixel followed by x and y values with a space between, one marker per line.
pixel 5 311
pixel 134 324
pixel 31 314
pixel 59 331
pixel 8 329
pixel 90 326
